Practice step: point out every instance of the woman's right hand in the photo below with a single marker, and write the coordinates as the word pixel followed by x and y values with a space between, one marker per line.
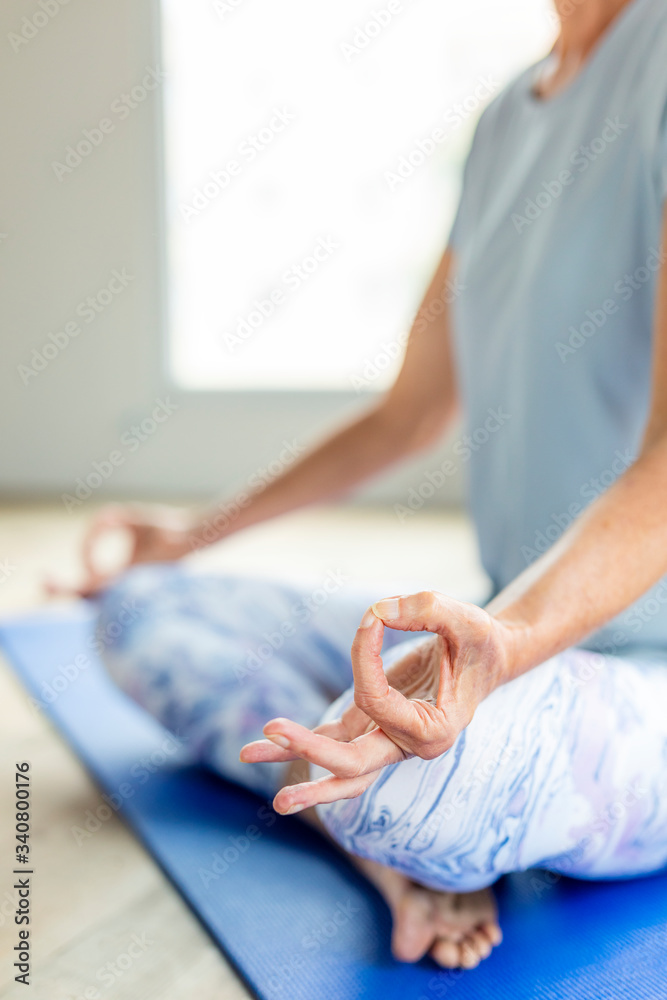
pixel 155 533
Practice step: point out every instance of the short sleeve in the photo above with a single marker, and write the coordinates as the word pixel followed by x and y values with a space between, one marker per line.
pixel 661 164
pixel 468 196
pixel 457 225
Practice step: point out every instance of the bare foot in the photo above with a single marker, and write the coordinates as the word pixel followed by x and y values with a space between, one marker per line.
pixel 457 929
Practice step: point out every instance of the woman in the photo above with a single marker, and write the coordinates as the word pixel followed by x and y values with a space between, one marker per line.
pixel 533 731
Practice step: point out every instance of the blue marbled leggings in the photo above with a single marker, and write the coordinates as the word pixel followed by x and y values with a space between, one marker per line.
pixel 564 768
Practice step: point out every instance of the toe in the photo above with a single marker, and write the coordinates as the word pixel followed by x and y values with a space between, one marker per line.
pixel 446 953
pixel 469 956
pixel 481 943
pixel 413 930
pixel 492 931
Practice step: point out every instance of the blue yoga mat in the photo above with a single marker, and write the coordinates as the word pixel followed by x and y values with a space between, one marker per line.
pixel 292 915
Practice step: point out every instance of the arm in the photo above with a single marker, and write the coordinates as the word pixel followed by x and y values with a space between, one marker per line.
pixel 605 560
pixel 411 416
pixel 612 554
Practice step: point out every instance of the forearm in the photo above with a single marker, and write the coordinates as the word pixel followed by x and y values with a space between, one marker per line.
pixel 605 561
pixel 332 469
pixel 411 416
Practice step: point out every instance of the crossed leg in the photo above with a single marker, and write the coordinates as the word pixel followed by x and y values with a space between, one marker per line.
pixel 560 769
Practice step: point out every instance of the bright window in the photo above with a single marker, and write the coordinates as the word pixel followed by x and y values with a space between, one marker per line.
pixel 309 193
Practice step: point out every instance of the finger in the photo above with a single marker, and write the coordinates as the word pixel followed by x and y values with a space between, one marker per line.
pixel 259 751
pixel 428 611
pixel 107 520
pixel 372 693
pixel 353 723
pixel 344 730
pixel 294 798
pixel 369 676
pixel 143 542
pixel 264 751
pixel 346 760
pixel 57 589
pixel 88 589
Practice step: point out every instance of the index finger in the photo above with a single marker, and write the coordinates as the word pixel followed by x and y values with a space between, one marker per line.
pixel 362 755
pixel 104 522
pixel 373 694
pixel 352 723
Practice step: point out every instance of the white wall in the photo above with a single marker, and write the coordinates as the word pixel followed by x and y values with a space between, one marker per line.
pixel 62 239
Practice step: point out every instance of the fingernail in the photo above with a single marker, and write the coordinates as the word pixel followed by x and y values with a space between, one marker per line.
pixel 368 619
pixel 296 808
pixel 387 609
pixel 281 741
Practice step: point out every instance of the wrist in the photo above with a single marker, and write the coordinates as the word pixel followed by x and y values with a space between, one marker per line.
pixel 518 642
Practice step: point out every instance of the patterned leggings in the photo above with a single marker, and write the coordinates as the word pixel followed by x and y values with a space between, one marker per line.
pixel 564 768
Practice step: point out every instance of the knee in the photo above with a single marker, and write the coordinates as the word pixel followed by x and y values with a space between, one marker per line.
pixel 361 825
pixel 125 610
pixel 129 599
pixel 440 822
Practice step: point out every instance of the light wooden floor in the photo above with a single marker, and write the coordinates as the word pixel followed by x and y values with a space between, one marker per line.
pixel 89 900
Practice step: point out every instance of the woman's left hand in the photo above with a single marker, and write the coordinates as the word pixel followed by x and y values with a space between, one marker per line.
pixel 417 708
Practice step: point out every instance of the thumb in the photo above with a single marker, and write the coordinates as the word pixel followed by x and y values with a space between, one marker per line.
pixel 427 611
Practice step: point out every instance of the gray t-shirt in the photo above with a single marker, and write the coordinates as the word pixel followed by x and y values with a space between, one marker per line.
pixel 557 238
